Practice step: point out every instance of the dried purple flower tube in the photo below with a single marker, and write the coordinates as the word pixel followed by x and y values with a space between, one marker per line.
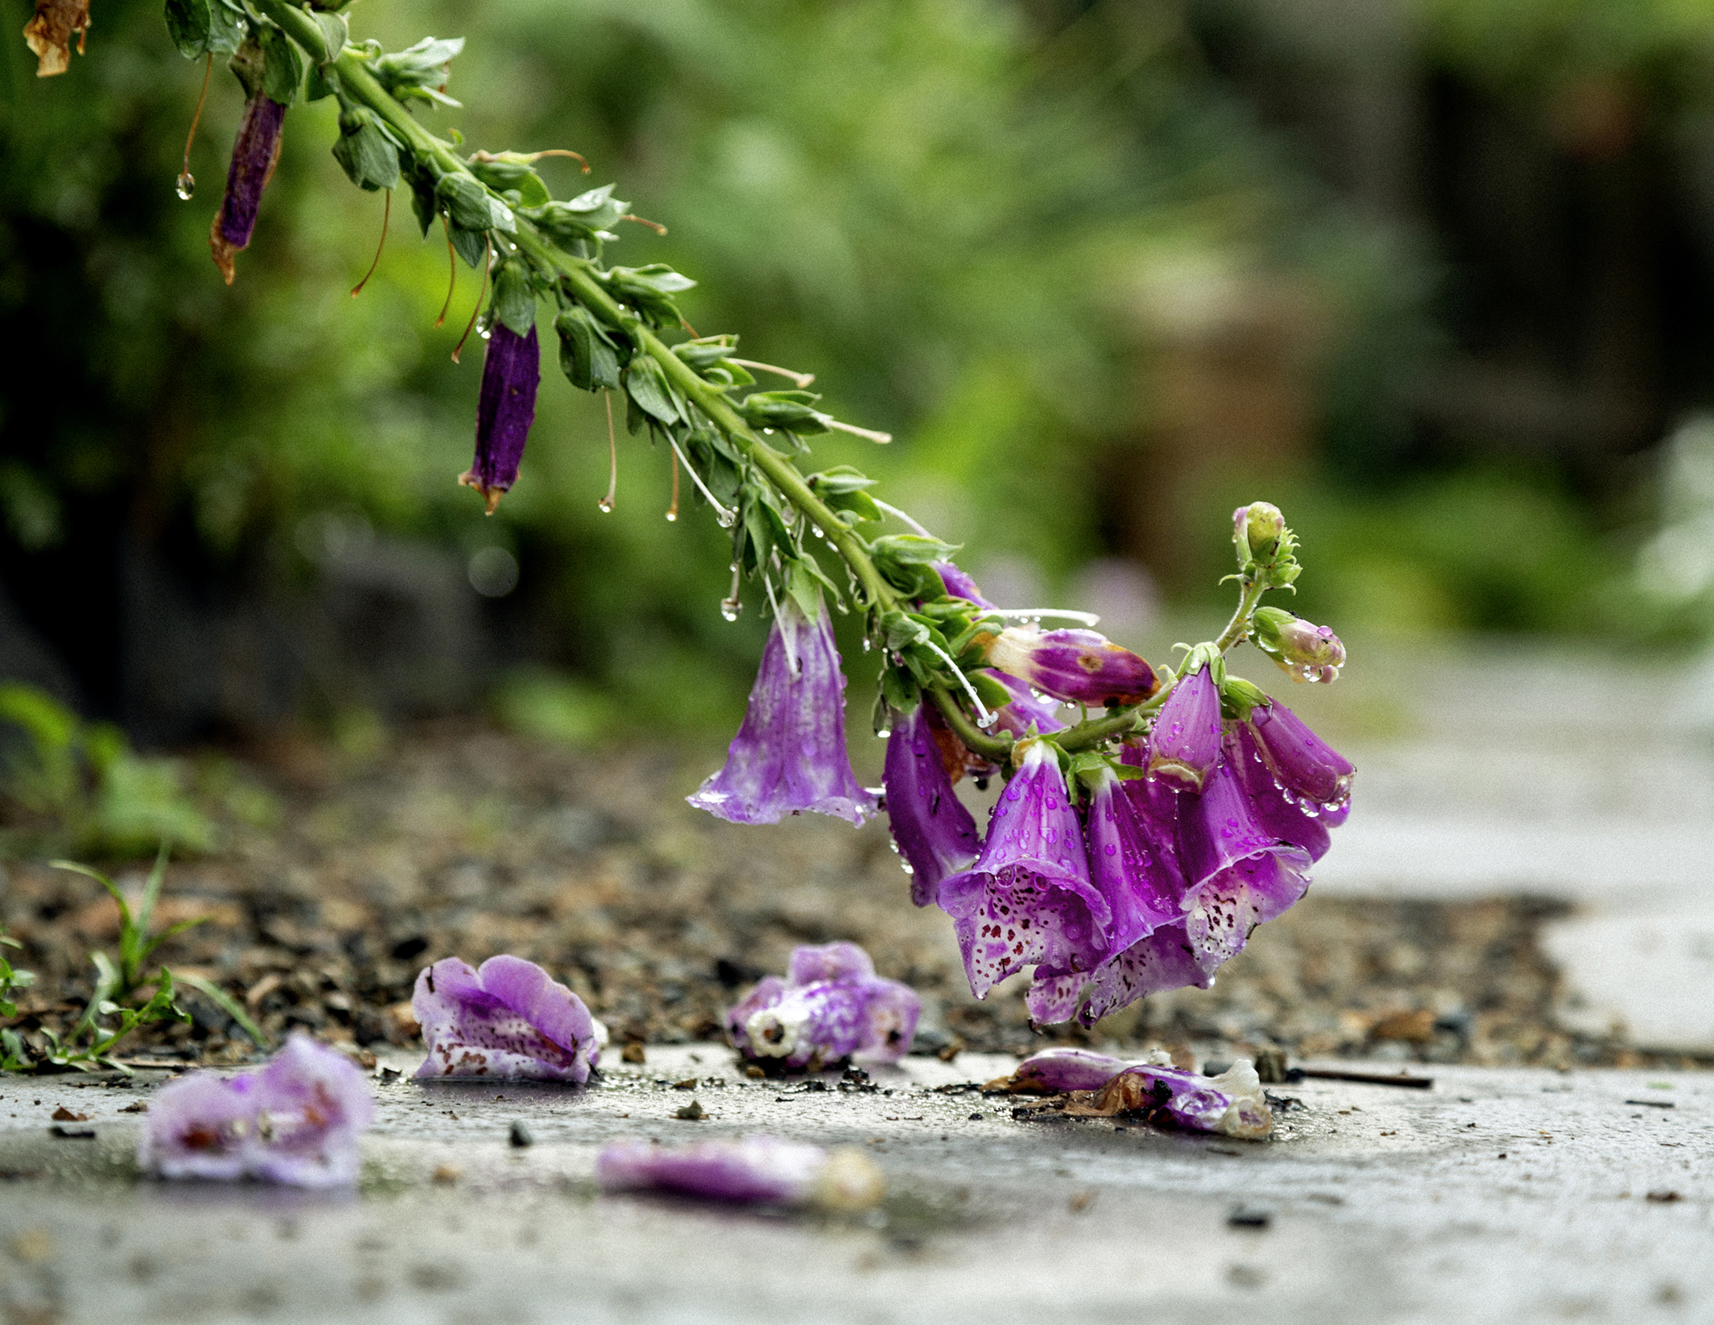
pixel 295 1121
pixel 755 1169
pixel 934 832
pixel 1055 1070
pixel 1304 763
pixel 1184 744
pixel 789 755
pixel 1028 898
pixel 1078 666
pixel 505 409
pixel 254 156
pixel 1231 1104
pixel 831 1006
pixel 505 1020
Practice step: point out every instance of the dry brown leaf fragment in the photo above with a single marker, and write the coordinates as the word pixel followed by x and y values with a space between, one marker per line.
pixel 48 34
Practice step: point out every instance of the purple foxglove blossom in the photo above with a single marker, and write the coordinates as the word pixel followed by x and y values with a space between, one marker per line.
pixel 1184 745
pixel 1079 666
pixel 505 409
pixel 1302 823
pixel 755 1169
pixel 789 755
pixel 254 157
pixel 831 1006
pixel 1304 764
pixel 1132 858
pixel 934 833
pixel 1219 829
pixel 960 585
pixel 505 1020
pixel 295 1121
pixel 1028 899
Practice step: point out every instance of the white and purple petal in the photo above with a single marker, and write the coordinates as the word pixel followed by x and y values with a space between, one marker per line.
pixel 507 1020
pixel 934 832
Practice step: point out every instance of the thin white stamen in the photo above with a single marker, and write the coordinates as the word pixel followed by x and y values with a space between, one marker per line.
pixel 719 510
pixel 801 379
pixel 828 421
pixel 899 515
pixel 785 637
pixel 986 719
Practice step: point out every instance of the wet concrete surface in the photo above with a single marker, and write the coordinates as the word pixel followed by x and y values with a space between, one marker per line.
pixel 1498 1195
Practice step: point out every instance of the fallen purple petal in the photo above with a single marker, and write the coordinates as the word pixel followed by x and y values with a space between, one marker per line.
pixel 755 1169
pixel 296 1121
pixel 1231 1104
pixel 506 1020
pixel 831 1006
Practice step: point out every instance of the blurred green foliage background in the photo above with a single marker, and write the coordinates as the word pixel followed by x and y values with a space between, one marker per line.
pixel 1105 269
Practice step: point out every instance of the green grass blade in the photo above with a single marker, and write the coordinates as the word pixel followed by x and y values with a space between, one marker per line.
pixel 227 1004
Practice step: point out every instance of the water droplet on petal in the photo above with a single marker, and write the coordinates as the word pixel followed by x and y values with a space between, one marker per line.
pixel 730 608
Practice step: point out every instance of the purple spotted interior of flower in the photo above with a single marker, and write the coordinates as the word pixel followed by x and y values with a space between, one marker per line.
pixel 1028 898
pixel 1238 899
pixel 507 1019
pixel 296 1121
pixel 934 832
pixel 831 1006
pixel 753 1169
pixel 789 755
pixel 1162 961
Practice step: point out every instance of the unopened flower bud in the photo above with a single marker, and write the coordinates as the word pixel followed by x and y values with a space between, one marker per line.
pixel 1256 530
pixel 1079 666
pixel 1304 650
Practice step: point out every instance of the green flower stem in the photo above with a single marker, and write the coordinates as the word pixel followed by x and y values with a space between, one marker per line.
pixel 997 748
pixel 361 85
pixel 1239 626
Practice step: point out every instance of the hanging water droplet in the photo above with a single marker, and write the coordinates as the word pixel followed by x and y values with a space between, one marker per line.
pixel 730 608
pixel 987 720
pixel 605 505
pixel 485 332
pixel 726 519
pixel 185 186
pixel 866 644
pixel 816 530
pixel 672 517
pixel 884 733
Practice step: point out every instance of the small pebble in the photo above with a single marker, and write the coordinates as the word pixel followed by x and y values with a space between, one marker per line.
pixel 520 1135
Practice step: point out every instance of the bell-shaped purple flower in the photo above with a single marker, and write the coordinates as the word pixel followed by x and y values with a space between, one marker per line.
pixel 1304 764
pixel 1184 744
pixel 1078 666
pixel 753 1169
pixel 935 834
pixel 254 157
pixel 1028 899
pixel 505 409
pixel 1301 822
pixel 295 1121
pixel 1132 858
pixel 831 1006
pixel 507 1019
pixel 789 755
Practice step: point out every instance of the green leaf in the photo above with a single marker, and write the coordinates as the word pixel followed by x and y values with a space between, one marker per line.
pixel 788 411
pixel 335 32
pixel 366 153
pixel 228 26
pixel 230 1006
pixel 649 388
pixel 189 25
pixel 838 480
pixel 423 202
pixel 464 200
pixel 282 66
pixel 471 245
pixel 510 170
pixel 419 72
pixel 912 549
pixel 706 351
pixel 650 289
pixel 514 301
pixel 585 355
pixel 317 85
pixel 899 689
pixel 804 589
pixel 994 695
